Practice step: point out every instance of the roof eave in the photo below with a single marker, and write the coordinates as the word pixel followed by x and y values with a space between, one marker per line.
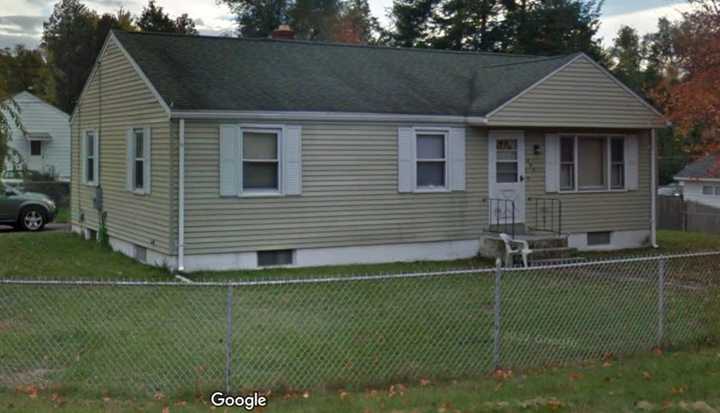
pixel 326 116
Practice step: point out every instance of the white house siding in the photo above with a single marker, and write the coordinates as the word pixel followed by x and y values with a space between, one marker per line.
pixel 580 95
pixel 38 116
pixel 117 99
pixel 693 191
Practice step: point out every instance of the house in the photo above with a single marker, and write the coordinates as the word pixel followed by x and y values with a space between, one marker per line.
pixel 700 180
pixel 216 153
pixel 44 145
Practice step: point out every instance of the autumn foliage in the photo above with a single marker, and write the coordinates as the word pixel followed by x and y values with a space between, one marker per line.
pixel 691 98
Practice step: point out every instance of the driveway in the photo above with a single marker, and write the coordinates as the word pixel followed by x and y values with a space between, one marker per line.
pixel 49 227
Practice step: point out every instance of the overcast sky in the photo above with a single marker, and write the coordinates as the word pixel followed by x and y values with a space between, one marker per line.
pixel 21 20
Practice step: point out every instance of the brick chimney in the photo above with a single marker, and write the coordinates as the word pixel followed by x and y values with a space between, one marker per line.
pixel 283 32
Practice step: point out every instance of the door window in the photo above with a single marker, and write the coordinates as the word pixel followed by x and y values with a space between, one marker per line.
pixel 506 161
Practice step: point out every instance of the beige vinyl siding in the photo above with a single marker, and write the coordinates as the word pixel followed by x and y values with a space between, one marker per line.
pixel 116 99
pixel 600 211
pixel 350 195
pixel 580 95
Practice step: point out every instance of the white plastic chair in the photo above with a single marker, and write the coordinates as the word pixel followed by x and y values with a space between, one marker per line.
pixel 522 249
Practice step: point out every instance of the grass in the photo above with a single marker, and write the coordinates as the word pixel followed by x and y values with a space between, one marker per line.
pixel 62 215
pixel 131 342
pixel 58 255
pixel 675 381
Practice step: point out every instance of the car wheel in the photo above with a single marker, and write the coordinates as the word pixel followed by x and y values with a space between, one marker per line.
pixel 32 219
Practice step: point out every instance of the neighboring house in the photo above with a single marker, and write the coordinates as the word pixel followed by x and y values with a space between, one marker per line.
pixel 44 145
pixel 701 180
pixel 216 153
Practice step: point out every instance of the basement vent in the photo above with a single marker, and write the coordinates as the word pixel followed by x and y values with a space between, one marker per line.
pixel 275 258
pixel 91 234
pixel 140 253
pixel 598 238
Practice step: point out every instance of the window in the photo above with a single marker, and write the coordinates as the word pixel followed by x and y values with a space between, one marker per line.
pixel 139 162
pixel 90 143
pixel 507 160
pixel 260 161
pixel 592 163
pixel 617 165
pixel 567 163
pixel 711 190
pixel 431 161
pixel 274 258
pixel 138 167
pixel 598 238
pixel 36 148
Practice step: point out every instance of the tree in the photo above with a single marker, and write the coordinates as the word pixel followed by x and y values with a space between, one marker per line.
pixel 258 18
pixel 627 58
pixel 70 39
pixel 154 19
pixel 9 117
pixel 692 100
pixel 446 24
pixel 26 69
pixel 551 27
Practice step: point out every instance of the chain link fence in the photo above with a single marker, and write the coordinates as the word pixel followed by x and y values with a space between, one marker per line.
pixel 351 332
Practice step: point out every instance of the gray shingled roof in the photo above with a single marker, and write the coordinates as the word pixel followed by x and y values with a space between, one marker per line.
pixel 217 73
pixel 707 167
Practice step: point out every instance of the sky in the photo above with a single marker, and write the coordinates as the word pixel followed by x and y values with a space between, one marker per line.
pixel 21 20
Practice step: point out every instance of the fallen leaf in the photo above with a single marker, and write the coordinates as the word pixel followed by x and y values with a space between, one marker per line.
pixel 644 405
pixel 646 375
pixel 502 374
pixel 158 396
pixel 679 389
pixel 698 406
pixel 424 382
pixel 343 394
pixel 306 394
pixel 554 404
pixel 166 409
pixel 576 376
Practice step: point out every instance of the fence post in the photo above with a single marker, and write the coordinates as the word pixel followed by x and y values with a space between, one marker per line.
pixel 662 269
pixel 497 332
pixel 228 340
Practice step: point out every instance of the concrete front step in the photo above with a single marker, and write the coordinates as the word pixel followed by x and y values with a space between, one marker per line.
pixel 544 245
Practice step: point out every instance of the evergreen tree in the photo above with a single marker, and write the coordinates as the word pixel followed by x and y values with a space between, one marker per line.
pixel 154 19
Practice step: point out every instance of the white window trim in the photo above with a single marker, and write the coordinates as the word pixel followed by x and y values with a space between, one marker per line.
pixel 147 134
pixel 278 130
pixel 96 156
pixel 608 142
pixel 446 141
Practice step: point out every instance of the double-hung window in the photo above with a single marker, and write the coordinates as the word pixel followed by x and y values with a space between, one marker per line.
pixel 138 165
pixel 260 160
pixel 431 161
pixel 90 155
pixel 592 163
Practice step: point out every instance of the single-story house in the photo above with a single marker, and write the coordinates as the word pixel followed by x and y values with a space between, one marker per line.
pixel 44 145
pixel 201 152
pixel 701 180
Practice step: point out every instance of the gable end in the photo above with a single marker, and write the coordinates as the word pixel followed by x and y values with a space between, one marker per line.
pixel 579 94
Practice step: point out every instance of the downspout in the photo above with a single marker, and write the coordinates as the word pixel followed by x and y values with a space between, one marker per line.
pixel 653 188
pixel 181 199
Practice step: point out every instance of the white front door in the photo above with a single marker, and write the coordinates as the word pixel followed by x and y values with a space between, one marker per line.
pixel 507 176
pixel 37 156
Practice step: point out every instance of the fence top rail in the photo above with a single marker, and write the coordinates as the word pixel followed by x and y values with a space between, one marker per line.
pixel 350 278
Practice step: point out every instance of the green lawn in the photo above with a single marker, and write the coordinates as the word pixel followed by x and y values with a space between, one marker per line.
pixel 58 255
pixel 673 382
pixel 62 215
pixel 131 342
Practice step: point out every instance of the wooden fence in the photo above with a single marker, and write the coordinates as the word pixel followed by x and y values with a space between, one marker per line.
pixel 678 214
